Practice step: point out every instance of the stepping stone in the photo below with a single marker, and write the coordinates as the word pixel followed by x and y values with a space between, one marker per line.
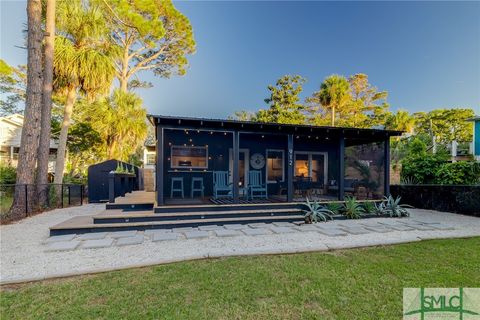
pixel 162 236
pixel 400 227
pixel 208 228
pixel 226 233
pixel 138 239
pixel 257 225
pixel 153 231
pixel 332 232
pixel 306 228
pixel 441 226
pixel 121 234
pixel 283 224
pixel 66 237
pixel 196 234
pixel 235 226
pixel 63 245
pixel 424 222
pixel 355 230
pixel 380 229
pixel 184 229
pixel 99 243
pixel 282 229
pixel 255 231
pixel 92 236
pixel 421 227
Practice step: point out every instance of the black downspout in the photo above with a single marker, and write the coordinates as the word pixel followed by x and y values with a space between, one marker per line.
pixel 290 168
pixel 387 166
pixel 236 174
pixel 341 168
pixel 159 166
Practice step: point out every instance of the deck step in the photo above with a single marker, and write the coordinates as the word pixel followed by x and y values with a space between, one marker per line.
pixel 135 217
pixel 227 207
pixel 146 206
pixel 86 225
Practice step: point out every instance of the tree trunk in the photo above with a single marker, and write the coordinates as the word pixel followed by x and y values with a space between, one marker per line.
pixel 123 78
pixel 333 116
pixel 31 125
pixel 62 140
pixel 44 145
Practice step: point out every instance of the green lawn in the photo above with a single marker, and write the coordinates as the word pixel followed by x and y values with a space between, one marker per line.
pixel 349 284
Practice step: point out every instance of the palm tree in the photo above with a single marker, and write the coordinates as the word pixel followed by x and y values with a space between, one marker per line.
pixel 84 62
pixel 120 121
pixel 334 96
pixel 401 121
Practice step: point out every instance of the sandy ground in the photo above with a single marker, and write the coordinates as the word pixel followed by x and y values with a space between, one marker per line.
pixel 24 255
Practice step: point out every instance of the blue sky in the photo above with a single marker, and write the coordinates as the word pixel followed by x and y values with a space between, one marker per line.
pixel 425 54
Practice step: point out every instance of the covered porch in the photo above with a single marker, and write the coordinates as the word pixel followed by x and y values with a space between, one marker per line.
pixel 205 161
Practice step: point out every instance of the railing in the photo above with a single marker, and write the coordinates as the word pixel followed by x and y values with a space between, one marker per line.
pixel 30 198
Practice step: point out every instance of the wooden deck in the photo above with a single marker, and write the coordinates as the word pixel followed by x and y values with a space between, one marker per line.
pixel 136 197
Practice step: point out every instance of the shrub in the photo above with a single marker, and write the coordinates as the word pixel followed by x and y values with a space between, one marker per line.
pixel 8 174
pixel 464 172
pixel 421 168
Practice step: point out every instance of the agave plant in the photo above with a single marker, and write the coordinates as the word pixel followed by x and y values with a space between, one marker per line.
pixel 380 208
pixel 316 212
pixel 394 208
pixel 352 208
pixel 369 207
pixel 335 207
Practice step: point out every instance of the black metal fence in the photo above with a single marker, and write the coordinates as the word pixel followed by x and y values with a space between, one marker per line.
pixel 450 198
pixel 30 198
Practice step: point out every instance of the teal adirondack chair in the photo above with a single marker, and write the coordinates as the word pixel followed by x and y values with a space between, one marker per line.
pixel 221 185
pixel 256 188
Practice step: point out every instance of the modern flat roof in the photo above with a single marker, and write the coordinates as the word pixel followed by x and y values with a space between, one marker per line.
pixel 267 127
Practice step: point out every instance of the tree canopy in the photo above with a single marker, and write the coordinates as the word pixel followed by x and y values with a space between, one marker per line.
pixel 284 102
pixel 152 34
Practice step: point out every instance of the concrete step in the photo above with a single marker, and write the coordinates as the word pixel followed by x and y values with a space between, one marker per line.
pixel 135 217
pixel 83 225
pixel 227 207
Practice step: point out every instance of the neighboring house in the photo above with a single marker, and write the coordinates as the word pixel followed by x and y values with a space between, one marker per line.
pixel 476 137
pixel 226 161
pixel 149 166
pixel 10 136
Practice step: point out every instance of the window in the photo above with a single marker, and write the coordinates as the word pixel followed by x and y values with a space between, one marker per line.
pixel 150 158
pixel 275 163
pixel 189 157
pixel 312 165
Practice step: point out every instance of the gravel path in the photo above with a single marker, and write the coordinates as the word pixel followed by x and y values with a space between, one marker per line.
pixel 27 253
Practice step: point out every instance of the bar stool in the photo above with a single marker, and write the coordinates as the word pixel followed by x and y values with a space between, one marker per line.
pixel 173 189
pixel 200 186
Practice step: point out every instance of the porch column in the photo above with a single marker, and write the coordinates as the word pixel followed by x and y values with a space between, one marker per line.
pixel 159 166
pixel 290 168
pixel 386 150
pixel 341 168
pixel 235 173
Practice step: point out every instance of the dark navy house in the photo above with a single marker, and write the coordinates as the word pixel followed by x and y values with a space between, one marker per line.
pixel 205 161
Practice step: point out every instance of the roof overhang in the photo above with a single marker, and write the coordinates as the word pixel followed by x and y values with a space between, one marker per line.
pixel 275 128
